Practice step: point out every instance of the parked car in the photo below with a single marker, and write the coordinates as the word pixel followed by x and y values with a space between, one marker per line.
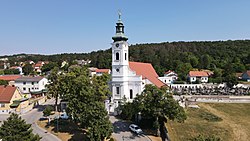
pixel 136 129
pixel 64 116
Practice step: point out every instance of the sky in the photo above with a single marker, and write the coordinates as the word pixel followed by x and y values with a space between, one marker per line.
pixel 79 26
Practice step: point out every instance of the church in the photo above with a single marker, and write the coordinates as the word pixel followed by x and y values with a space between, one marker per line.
pixel 127 78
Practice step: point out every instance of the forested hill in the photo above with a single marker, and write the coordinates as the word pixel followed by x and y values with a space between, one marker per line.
pixel 182 56
pixel 178 56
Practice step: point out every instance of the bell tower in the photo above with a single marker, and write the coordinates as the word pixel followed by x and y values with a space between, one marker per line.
pixel 119 50
pixel 120 64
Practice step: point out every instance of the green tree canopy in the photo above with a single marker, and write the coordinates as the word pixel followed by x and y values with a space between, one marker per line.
pixel 16 129
pixel 27 69
pixel 47 111
pixel 49 66
pixel 11 71
pixel 3 82
pixel 154 104
pixel 85 101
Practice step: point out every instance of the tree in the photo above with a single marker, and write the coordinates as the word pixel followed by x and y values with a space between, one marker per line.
pixel 49 66
pixel 27 69
pixel 231 80
pixel 183 69
pixel 205 61
pixel 54 85
pixel 3 82
pixel 100 86
pixel 1 72
pixel 194 61
pixel 11 71
pixel 16 129
pixel 155 104
pixel 85 101
pixel 47 112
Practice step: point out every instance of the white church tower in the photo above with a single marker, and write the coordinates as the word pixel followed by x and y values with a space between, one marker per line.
pixel 120 64
pixel 128 78
pixel 124 82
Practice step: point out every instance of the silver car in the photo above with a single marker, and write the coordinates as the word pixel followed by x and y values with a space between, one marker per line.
pixel 135 128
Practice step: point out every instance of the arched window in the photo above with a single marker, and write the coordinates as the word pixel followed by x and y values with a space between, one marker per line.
pixel 131 94
pixel 117 90
pixel 117 56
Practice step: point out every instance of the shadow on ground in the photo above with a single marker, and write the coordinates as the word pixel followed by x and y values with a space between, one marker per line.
pixel 67 126
pixel 120 126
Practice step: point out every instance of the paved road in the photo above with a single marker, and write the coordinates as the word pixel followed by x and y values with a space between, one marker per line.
pixel 122 133
pixel 34 115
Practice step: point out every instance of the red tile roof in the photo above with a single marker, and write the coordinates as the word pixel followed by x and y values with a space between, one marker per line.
pixel 9 77
pixel 102 70
pixel 38 65
pixel 14 67
pixel 147 71
pixel 198 73
pixel 169 71
pixel 6 93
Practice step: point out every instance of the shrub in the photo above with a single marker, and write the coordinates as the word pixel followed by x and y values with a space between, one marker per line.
pixel 210 117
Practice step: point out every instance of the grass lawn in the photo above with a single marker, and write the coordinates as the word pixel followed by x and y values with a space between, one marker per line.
pixel 230 122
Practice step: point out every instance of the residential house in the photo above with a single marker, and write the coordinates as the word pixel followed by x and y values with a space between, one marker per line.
pixel 38 66
pixel 246 76
pixel 92 71
pixel 200 76
pixel 11 100
pixel 169 77
pixel 31 85
pixel 99 72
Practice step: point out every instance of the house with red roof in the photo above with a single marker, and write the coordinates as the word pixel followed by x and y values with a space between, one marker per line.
pixel 201 76
pixel 128 79
pixel 38 66
pixel 11 100
pixel 98 72
pixel 169 77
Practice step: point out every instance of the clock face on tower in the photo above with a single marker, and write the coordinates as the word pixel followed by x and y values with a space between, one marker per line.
pixel 117 45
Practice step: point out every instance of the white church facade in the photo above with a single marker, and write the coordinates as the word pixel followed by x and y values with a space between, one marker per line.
pixel 127 78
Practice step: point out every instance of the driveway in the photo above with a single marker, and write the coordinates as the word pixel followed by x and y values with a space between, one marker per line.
pixel 122 132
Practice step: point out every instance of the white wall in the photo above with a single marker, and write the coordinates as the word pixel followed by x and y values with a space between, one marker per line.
pixel 202 79
pixel 26 87
pixel 166 79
